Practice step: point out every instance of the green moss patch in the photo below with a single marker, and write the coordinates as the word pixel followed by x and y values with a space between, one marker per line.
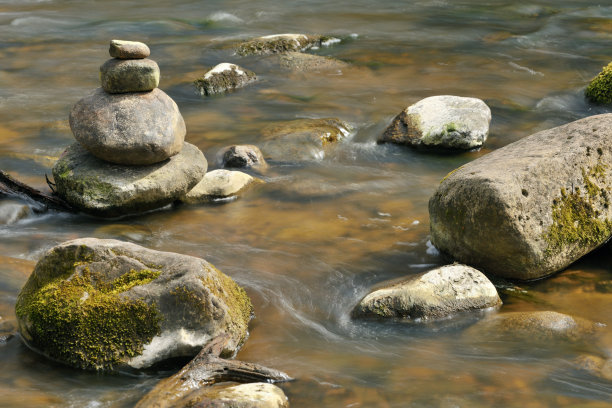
pixel 600 88
pixel 86 323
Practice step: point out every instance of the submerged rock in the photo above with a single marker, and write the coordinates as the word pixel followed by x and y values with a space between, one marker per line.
pixel 128 49
pixel 302 139
pixel 218 184
pixel 535 327
pixel 110 190
pixel 134 75
pixel 595 366
pixel 531 208
pixel 438 293
pixel 279 43
pixel 133 128
pixel 224 77
pixel 106 304
pixel 301 62
pixel 441 122
pixel 241 156
pixel 599 89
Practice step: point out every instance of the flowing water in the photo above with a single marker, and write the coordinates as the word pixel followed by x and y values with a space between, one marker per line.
pixel 323 232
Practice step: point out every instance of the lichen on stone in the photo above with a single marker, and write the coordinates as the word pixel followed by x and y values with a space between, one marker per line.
pixel 83 320
pixel 600 88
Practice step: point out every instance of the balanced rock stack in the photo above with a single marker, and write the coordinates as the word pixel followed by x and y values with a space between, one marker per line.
pixel 131 155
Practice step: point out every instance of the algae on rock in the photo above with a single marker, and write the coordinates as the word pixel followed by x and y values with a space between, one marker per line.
pixel 600 88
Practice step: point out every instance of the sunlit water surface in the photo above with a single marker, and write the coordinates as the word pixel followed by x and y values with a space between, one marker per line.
pixel 321 233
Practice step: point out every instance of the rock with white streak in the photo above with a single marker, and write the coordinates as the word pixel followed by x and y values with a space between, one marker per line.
pixel 280 43
pixel 224 77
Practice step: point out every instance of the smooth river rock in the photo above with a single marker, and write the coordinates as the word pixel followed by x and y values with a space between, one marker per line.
pixel 218 184
pixel 434 294
pixel 134 75
pixel 241 156
pixel 254 395
pixel 441 122
pixel 531 208
pixel 109 190
pixel 105 304
pixel 224 77
pixel 133 129
pixel 301 62
pixel 128 49
pixel 280 43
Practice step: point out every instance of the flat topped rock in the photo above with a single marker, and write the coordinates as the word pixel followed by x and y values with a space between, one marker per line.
pixel 217 184
pixel 128 49
pixel 434 294
pixel 109 190
pixel 131 128
pixel 279 43
pixel 302 62
pixel 441 122
pixel 224 77
pixel 134 75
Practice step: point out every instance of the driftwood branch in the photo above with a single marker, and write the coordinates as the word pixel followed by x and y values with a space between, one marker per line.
pixel 206 369
pixel 11 187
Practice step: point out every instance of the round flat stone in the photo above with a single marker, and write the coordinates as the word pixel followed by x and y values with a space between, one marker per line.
pixel 110 190
pixel 128 49
pixel 133 129
pixel 135 75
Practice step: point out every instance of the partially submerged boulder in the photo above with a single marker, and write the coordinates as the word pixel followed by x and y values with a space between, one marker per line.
pixel 434 294
pixel 110 190
pixel 301 62
pixel 279 43
pixel 130 128
pixel 241 156
pixel 106 304
pixel 441 122
pixel 302 139
pixel 599 89
pixel 224 77
pixel 218 184
pixel 531 208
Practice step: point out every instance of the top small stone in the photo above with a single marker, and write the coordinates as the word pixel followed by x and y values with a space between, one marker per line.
pixel 128 49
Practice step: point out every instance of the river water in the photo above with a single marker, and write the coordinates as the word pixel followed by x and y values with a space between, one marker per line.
pixel 323 232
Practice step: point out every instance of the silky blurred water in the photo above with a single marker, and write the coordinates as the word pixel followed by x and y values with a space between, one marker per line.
pixel 319 234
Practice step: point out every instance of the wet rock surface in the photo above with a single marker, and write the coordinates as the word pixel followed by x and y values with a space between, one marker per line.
pixel 218 184
pixel 280 43
pixel 106 304
pixel 434 294
pixel 111 190
pixel 241 156
pixel 301 62
pixel 531 208
pixel 224 77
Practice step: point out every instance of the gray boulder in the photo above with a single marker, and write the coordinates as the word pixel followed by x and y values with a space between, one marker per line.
pixel 132 129
pixel 128 49
pixel 109 190
pixel 106 304
pixel 224 77
pixel 435 294
pixel 218 184
pixel 301 62
pixel 302 139
pixel 134 75
pixel 241 156
pixel 441 122
pixel 531 208
pixel 280 43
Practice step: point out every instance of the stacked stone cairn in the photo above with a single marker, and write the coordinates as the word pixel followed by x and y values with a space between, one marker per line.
pixel 131 155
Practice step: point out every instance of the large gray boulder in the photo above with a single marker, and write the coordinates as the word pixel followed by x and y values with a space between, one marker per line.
pixel 224 77
pixel 107 304
pixel 110 190
pixel 133 128
pixel 134 75
pixel 434 294
pixel 531 208
pixel 441 122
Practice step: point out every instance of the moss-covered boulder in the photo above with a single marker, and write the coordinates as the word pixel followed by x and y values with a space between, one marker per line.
pixel 280 43
pixel 302 139
pixel 106 304
pixel 111 190
pixel 531 208
pixel 600 88
pixel 438 293
pixel 222 78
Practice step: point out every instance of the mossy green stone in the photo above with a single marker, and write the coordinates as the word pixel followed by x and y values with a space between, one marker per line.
pixel 600 88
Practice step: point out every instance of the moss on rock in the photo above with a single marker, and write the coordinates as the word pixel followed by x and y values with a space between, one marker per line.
pixel 600 88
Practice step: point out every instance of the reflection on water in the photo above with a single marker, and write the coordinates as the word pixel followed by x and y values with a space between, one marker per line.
pixel 321 233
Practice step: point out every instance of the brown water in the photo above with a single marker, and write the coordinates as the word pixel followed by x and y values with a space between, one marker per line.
pixel 321 233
